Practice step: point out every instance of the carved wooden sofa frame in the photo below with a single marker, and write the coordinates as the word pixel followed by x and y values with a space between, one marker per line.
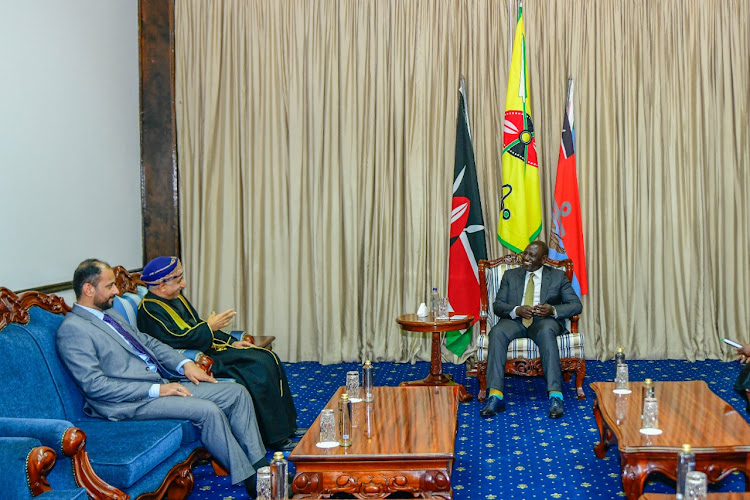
pixel 522 366
pixel 178 482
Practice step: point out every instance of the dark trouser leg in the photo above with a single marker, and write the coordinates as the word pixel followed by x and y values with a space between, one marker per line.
pixel 501 336
pixel 544 332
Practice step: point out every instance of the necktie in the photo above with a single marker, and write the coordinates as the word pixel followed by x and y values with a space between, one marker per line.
pixel 528 299
pixel 136 345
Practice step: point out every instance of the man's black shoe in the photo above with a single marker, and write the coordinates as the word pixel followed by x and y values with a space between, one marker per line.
pixel 285 445
pixel 555 408
pixel 300 431
pixel 494 406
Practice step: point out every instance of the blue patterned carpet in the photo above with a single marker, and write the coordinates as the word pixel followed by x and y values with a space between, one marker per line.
pixel 520 453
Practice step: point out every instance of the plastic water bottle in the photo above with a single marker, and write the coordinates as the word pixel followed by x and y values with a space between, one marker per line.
pixel 367 381
pixel 648 389
pixel 685 464
pixel 434 302
pixel 620 356
pixel 279 484
pixel 345 421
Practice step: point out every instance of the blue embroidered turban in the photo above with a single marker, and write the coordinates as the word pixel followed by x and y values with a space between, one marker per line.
pixel 161 269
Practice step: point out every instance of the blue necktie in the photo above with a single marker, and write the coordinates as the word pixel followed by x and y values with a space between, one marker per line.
pixel 137 345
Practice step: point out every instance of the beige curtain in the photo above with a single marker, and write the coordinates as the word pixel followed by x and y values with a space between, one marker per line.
pixel 316 143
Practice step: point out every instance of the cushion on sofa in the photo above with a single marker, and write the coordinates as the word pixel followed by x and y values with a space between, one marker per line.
pixel 127 305
pixel 123 452
pixel 43 328
pixel 28 388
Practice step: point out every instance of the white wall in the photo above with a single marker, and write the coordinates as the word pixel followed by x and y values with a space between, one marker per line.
pixel 69 138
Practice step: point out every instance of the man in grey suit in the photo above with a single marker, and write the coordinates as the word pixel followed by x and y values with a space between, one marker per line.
pixel 125 374
pixel 533 301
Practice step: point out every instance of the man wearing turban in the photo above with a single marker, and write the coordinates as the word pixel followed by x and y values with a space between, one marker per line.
pixel 167 315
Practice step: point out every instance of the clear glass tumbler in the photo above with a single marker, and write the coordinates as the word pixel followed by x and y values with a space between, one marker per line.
pixel 621 379
pixel 443 307
pixel 352 386
pixel 650 413
pixel 264 483
pixel 696 486
pixel 328 435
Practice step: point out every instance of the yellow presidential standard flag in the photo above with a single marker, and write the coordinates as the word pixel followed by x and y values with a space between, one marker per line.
pixel 520 219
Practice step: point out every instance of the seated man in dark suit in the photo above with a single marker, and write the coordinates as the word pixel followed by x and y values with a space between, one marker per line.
pixel 533 301
pixel 125 374
pixel 167 315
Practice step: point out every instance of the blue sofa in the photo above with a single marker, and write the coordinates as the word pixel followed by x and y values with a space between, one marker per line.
pixel 39 400
pixel 25 462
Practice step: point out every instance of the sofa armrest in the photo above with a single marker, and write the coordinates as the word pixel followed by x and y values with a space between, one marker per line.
pixel 71 441
pixel 259 340
pixel 240 335
pixel 24 465
pixel 203 361
pixel 49 432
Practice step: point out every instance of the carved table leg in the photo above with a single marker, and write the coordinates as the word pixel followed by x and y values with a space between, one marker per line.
pixel 601 448
pixel 633 478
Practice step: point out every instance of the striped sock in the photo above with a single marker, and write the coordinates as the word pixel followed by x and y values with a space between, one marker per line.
pixel 555 394
pixel 496 393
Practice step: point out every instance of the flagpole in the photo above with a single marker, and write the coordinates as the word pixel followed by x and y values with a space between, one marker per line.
pixel 570 90
pixel 462 90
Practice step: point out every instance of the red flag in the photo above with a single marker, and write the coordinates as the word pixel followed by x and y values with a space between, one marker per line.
pixel 566 235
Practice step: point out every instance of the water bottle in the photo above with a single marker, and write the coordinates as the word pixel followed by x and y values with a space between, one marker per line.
pixel 648 389
pixel 345 421
pixel 685 464
pixel 620 356
pixel 279 484
pixel 367 382
pixel 434 302
pixel 369 420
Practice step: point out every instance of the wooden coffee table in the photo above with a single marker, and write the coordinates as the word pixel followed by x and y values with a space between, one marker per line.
pixel 403 442
pixel 688 413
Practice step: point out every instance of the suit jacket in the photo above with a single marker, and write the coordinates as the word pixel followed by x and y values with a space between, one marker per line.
pixel 113 378
pixel 556 291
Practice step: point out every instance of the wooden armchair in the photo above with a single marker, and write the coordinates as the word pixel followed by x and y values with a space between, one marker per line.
pixel 523 354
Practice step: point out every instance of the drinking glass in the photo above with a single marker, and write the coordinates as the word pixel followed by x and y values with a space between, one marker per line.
pixel 352 386
pixel 621 407
pixel 621 379
pixel 650 416
pixel 264 483
pixel 443 308
pixel 328 435
pixel 696 486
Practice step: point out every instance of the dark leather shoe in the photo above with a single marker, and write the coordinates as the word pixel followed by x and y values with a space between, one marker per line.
pixel 285 445
pixel 300 431
pixel 494 406
pixel 555 408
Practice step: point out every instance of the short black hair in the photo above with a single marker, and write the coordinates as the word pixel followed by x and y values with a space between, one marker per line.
pixel 543 245
pixel 87 271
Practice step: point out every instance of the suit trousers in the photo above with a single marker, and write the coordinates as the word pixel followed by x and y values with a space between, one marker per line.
pixel 225 415
pixel 543 331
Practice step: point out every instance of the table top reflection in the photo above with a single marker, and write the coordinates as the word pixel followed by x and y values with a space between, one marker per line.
pixel 418 422
pixel 689 412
